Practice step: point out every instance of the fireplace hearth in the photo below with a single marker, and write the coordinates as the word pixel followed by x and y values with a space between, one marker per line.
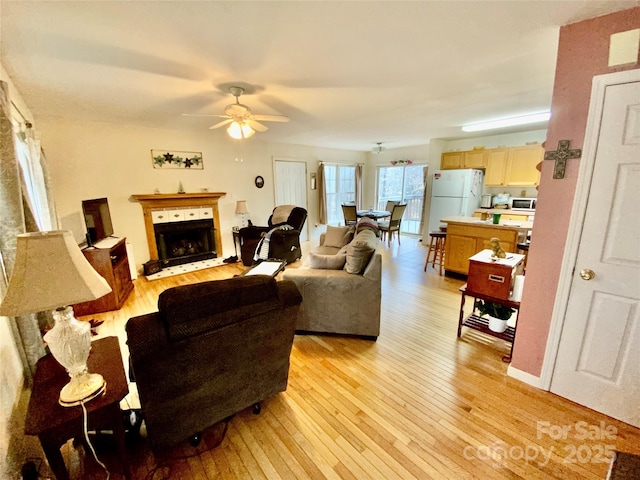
pixel 184 242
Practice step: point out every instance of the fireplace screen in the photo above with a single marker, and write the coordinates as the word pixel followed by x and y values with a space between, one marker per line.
pixel 185 242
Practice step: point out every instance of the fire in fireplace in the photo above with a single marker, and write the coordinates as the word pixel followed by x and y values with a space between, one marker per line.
pixel 185 242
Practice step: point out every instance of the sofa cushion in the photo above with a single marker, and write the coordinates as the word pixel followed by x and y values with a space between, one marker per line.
pixel 326 262
pixel 338 237
pixel 359 251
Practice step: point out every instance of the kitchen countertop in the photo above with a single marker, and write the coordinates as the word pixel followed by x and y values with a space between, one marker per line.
pixel 476 222
pixel 505 211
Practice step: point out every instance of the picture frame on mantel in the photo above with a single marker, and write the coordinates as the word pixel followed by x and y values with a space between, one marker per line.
pixel 175 159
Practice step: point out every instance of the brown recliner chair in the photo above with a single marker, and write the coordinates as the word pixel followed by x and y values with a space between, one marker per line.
pixel 211 350
pixel 283 244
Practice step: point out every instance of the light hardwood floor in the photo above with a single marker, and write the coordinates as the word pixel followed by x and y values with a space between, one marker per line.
pixel 418 403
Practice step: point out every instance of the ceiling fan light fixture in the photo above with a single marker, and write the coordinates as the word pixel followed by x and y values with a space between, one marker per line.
pixel 239 130
pixel 507 122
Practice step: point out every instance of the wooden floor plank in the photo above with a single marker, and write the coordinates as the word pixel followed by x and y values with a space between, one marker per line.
pixel 417 403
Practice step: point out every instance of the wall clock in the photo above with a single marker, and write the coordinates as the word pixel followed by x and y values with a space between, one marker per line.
pixel 259 181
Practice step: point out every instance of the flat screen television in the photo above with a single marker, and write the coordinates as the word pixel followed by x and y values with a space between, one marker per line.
pixel 98 219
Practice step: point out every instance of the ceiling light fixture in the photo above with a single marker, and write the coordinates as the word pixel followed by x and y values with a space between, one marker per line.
pixel 240 130
pixel 378 148
pixel 507 122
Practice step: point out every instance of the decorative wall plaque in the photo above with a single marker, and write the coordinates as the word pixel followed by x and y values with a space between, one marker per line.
pixel 561 155
pixel 175 159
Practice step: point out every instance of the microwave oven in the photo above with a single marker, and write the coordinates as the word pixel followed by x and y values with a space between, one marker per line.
pixel 522 203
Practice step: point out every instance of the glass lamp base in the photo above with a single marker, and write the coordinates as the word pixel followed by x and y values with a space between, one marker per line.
pixel 81 389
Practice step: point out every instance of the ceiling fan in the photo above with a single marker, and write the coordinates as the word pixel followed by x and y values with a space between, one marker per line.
pixel 242 122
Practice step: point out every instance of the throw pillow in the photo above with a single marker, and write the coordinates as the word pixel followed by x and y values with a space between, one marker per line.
pixel 326 262
pixel 337 237
pixel 359 251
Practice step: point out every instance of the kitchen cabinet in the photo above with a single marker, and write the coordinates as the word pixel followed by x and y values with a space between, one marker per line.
pixel 469 159
pixel 521 165
pixel 494 175
pixel 475 159
pixel 452 160
pixel 513 166
pixel 466 236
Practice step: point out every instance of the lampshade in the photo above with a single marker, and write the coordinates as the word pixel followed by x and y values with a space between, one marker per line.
pixel 241 207
pixel 49 272
pixel 239 130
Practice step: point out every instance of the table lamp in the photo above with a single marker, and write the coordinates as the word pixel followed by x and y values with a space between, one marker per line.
pixel 50 273
pixel 242 210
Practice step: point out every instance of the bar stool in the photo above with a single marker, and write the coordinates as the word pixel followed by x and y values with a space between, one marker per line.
pixel 523 248
pixel 436 247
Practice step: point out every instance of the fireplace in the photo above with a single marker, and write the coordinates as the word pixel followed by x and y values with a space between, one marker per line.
pixel 184 242
pixel 181 228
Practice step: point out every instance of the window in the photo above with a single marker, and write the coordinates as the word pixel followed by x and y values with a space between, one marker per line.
pixel 340 183
pixel 403 184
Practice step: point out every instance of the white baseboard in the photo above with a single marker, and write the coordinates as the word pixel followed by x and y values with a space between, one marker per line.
pixel 524 377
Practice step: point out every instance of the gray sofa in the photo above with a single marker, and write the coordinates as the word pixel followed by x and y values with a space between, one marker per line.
pixel 344 300
pixel 211 350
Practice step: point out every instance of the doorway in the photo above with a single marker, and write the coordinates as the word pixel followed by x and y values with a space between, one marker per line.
pixel 403 184
pixel 291 186
pixel 593 358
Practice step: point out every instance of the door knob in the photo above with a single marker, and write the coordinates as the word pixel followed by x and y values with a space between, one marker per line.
pixel 587 274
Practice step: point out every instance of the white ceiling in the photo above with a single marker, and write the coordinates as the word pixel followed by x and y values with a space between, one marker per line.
pixel 348 74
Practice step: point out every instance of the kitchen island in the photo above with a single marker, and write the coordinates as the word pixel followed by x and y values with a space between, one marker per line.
pixel 467 236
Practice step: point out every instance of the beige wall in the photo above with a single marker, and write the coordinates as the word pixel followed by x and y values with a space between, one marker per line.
pixel 582 54
pixel 89 160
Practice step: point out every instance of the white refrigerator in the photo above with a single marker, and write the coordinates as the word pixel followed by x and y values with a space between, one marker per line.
pixel 454 193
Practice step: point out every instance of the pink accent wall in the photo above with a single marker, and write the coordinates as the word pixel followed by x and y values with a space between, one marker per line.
pixel 583 52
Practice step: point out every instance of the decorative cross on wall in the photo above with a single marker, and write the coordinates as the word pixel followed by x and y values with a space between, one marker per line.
pixel 561 155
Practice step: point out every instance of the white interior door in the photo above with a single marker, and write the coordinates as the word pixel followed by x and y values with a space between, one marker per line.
pixel 291 186
pixel 598 358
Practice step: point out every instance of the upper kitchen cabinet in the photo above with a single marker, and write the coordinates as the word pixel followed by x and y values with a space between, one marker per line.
pixel 471 159
pixel 494 175
pixel 452 160
pixel 514 166
pixel 521 165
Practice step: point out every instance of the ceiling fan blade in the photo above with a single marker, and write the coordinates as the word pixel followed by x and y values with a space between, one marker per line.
pixel 271 118
pixel 203 115
pixel 258 127
pixel 221 124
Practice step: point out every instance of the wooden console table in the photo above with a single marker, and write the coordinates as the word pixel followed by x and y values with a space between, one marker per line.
pixel 167 201
pixel 481 324
pixel 55 425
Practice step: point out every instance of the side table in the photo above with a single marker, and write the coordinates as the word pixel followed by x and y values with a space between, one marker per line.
pixel 55 425
pixel 481 324
pixel 237 241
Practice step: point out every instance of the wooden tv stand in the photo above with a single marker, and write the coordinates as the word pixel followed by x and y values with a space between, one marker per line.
pixel 113 264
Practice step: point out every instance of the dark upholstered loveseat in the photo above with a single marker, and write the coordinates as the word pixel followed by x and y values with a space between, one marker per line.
pixel 212 349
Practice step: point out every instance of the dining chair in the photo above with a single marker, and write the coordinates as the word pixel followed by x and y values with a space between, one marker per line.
pixel 390 204
pixel 350 214
pixel 393 224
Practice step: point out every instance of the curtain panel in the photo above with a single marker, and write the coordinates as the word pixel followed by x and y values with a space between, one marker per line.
pixel 322 191
pixel 17 217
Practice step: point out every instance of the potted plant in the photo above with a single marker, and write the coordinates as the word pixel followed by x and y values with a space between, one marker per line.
pixel 498 314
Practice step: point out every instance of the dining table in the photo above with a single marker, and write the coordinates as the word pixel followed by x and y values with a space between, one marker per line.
pixel 376 214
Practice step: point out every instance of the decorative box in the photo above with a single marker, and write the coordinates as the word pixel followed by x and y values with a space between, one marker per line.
pixel 151 267
pixel 494 278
